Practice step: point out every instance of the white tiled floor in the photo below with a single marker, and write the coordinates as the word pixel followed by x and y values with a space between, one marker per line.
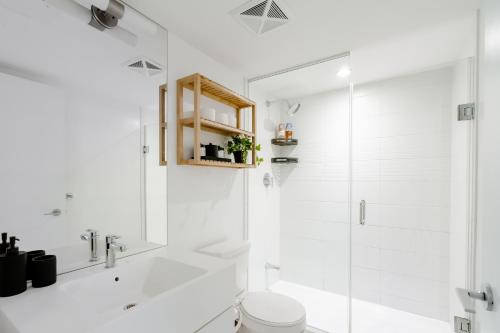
pixel 328 312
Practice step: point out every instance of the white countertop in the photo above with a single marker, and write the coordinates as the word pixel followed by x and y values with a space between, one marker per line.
pixel 182 309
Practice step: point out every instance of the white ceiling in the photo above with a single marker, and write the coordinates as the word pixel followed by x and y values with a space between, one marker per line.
pixel 319 28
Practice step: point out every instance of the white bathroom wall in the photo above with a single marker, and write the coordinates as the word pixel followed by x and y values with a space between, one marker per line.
pixel 401 167
pixel 32 182
pixel 81 144
pixel 103 166
pixel 264 202
pixel 204 204
pixel 314 195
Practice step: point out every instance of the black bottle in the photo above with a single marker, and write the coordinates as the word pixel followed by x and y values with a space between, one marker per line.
pixel 12 270
pixel 4 245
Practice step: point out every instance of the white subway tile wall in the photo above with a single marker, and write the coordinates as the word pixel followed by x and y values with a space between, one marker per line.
pixel 401 167
pixel 315 196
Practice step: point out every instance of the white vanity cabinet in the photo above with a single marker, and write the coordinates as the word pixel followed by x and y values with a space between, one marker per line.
pixel 222 324
pixel 169 290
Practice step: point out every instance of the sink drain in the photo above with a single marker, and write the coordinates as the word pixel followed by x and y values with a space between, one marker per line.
pixel 129 306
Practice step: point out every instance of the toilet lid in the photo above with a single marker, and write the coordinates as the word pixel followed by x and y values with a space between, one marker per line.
pixel 273 309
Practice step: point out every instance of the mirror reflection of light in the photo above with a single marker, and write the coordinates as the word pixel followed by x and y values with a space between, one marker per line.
pixel 344 72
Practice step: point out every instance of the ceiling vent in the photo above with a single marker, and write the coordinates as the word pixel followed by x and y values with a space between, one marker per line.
pixel 261 16
pixel 144 66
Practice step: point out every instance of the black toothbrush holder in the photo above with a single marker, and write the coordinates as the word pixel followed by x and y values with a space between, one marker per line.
pixel 44 271
pixel 29 263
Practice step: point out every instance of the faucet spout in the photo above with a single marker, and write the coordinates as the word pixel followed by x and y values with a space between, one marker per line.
pixel 111 247
pixel 92 237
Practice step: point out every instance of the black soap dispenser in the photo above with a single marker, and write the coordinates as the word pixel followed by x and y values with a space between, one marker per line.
pixel 12 270
pixel 4 245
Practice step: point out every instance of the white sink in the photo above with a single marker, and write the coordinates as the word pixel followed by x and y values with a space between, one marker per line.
pixel 162 290
pixel 111 292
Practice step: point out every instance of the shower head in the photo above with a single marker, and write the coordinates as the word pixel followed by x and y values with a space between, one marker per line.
pixel 293 109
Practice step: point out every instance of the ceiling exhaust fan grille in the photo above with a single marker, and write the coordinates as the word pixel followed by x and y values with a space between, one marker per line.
pixel 137 64
pixel 152 66
pixel 257 10
pixel 276 12
pixel 262 16
pixel 144 66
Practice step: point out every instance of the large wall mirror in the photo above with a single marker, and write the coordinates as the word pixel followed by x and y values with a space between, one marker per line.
pixel 81 138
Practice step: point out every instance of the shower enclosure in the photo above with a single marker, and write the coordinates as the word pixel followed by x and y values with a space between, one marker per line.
pixel 369 230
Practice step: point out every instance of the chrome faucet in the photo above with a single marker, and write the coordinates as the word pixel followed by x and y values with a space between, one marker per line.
pixel 111 247
pixel 92 237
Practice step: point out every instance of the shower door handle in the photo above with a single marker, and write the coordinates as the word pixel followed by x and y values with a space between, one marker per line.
pixel 486 295
pixel 362 212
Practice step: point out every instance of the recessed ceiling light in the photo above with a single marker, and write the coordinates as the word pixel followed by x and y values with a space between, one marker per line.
pixel 344 72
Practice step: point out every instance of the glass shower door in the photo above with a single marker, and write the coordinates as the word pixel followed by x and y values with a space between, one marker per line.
pixel 408 193
pixel 309 203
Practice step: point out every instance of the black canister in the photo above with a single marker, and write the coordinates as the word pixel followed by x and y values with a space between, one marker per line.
pixel 44 271
pixel 12 270
pixel 29 263
pixel 212 150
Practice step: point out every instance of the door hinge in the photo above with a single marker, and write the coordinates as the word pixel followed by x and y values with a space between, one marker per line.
pixel 466 111
pixel 145 149
pixel 462 325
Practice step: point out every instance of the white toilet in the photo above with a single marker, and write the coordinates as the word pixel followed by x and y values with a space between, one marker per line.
pixel 261 312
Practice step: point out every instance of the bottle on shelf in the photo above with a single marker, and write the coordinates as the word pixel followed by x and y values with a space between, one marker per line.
pixel 288 131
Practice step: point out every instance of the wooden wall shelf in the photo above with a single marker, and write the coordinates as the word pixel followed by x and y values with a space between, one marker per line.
pixel 215 91
pixel 217 164
pixel 202 86
pixel 163 125
pixel 215 127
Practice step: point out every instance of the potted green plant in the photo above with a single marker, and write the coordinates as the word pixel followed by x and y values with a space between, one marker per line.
pixel 239 146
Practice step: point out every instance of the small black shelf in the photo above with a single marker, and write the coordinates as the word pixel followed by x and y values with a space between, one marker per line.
pixel 284 160
pixel 284 142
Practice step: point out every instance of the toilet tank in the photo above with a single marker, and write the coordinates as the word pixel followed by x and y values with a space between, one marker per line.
pixel 234 251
